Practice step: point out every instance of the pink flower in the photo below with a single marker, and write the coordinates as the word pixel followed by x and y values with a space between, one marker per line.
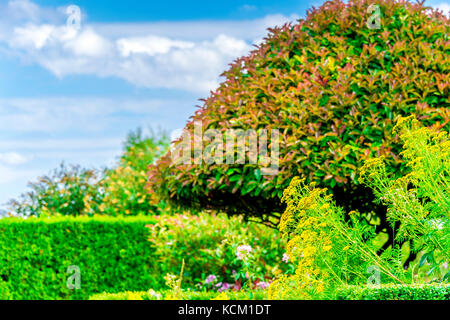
pixel 210 278
pixel 285 258
pixel 242 252
pixel 263 285
pixel 224 287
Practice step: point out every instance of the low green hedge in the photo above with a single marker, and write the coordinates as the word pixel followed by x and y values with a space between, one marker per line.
pixel 186 295
pixel 395 292
pixel 113 255
pixel 384 292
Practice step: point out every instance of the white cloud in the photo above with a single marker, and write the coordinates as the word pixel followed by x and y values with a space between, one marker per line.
pixel 88 43
pixel 7 175
pixel 175 55
pixel 151 61
pixel 32 35
pixel 13 158
pixel 151 45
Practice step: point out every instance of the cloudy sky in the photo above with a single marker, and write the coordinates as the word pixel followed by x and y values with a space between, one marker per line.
pixel 70 93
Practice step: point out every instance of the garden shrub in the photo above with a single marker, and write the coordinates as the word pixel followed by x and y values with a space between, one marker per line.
pixel 213 249
pixel 333 87
pixel 395 292
pixel 113 255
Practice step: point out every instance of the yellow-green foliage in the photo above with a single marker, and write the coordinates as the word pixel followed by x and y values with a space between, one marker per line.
pixel 419 200
pixel 67 190
pixel 331 251
pixel 328 251
pixel 383 292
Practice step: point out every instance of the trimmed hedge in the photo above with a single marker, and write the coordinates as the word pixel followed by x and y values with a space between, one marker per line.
pixel 113 255
pixel 384 292
pixel 395 292
pixel 186 295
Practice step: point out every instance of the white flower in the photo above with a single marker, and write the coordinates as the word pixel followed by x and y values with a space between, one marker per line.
pixel 437 224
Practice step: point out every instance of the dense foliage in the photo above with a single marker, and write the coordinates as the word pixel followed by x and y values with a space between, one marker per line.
pixel 395 292
pixel 333 87
pixel 113 255
pixel 330 250
pixel 212 248
pixel 121 190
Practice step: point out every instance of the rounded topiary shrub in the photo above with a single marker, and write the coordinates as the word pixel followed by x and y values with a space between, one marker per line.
pixel 333 84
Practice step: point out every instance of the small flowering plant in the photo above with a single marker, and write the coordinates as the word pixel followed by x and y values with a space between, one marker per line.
pixel 245 256
pixel 244 252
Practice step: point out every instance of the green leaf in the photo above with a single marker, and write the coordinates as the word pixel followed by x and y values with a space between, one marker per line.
pixel 235 178
pixel 446 277
pixel 424 259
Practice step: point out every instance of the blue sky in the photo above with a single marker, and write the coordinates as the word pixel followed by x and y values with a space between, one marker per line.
pixel 72 95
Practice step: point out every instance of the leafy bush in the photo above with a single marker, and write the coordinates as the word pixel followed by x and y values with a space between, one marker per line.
pixel 333 87
pixel 395 292
pixel 331 250
pixel 112 253
pixel 72 190
pixel 64 191
pixel 124 187
pixel 212 247
pixel 186 295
